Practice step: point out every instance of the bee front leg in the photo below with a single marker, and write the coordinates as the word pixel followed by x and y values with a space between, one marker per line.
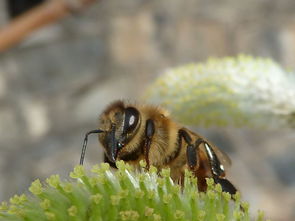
pixel 149 132
pixel 106 160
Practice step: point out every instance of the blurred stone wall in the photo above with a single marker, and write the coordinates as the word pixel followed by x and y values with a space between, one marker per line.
pixel 54 85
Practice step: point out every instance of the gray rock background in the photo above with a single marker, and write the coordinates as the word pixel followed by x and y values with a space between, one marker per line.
pixel 54 85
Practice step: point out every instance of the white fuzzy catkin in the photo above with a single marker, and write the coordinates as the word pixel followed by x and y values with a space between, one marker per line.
pixel 237 91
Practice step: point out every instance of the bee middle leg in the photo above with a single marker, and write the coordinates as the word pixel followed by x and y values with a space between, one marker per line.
pixel 191 150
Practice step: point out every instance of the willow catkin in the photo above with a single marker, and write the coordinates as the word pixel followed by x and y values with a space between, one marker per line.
pixel 236 91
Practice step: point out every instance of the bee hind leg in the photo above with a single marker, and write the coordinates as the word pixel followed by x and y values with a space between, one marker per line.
pixel 226 185
pixel 218 172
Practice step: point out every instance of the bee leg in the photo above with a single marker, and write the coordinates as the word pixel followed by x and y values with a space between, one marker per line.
pixel 217 168
pixel 218 172
pixel 191 150
pixel 149 132
pixel 191 155
pixel 106 160
pixel 226 185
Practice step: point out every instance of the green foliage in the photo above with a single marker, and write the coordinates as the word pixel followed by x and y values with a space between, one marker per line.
pixel 237 91
pixel 123 195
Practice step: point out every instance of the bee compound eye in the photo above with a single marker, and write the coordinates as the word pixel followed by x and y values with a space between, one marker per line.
pixel 131 119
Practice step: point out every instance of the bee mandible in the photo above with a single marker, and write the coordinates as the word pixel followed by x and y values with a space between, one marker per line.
pixel 144 132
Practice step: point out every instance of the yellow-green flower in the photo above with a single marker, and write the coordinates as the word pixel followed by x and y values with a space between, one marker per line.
pixel 237 91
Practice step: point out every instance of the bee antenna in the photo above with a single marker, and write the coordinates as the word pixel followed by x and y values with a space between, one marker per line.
pixel 85 143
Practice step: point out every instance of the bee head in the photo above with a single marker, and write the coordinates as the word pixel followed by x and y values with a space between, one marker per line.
pixel 119 123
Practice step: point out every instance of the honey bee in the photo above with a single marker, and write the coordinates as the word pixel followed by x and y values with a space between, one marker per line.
pixel 143 132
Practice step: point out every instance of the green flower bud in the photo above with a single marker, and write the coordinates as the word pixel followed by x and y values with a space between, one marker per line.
pixel 121 165
pixel 17 200
pixel 53 181
pixel 36 187
pixel 78 172
pixel 167 198
pixel 153 169
pixel 226 196
pixel 211 194
pixel 220 217
pixel 105 167
pixel 45 204
pixel 124 193
pixel 201 215
pixel 157 217
pixel 178 214
pixel 115 200
pixel 50 216
pixel 96 169
pixel 3 206
pixel 142 163
pixel 139 194
pixel 72 211
pixel 96 198
pixel 129 215
pixel 165 172
pixel 67 187
pixel 161 182
pixel 151 194
pixel 148 211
